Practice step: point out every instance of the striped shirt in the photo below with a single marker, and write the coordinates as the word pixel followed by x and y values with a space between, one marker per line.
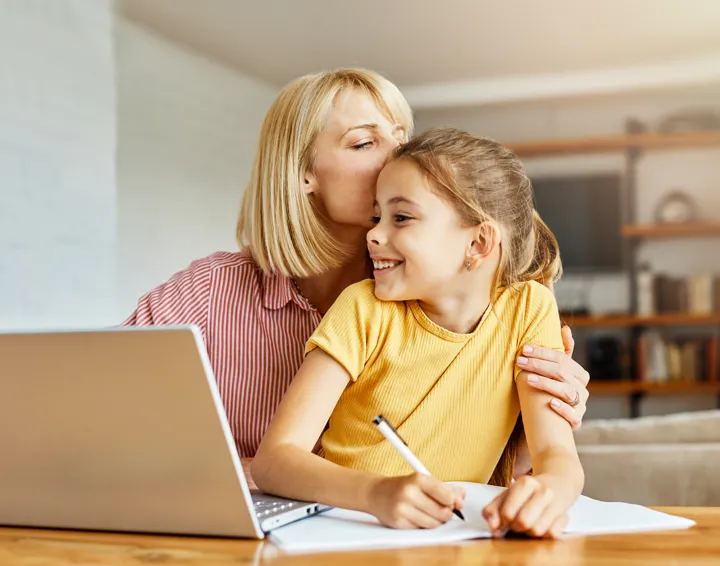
pixel 255 327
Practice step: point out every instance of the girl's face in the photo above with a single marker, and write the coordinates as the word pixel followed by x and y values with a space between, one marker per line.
pixel 419 244
pixel 348 157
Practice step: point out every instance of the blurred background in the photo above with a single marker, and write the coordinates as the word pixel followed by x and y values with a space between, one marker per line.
pixel 127 131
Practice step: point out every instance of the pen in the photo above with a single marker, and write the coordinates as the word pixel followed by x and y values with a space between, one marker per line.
pixel 389 432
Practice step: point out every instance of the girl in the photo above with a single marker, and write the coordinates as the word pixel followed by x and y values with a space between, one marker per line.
pixel 463 274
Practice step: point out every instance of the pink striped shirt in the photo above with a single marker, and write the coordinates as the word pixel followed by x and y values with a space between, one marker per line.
pixel 255 328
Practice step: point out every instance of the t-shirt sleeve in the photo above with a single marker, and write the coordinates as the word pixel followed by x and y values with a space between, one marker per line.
pixel 349 331
pixel 183 299
pixel 541 325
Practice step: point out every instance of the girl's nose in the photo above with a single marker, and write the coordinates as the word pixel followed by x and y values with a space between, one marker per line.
pixel 375 236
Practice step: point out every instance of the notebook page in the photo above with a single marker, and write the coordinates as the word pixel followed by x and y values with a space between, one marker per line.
pixel 590 516
pixel 340 529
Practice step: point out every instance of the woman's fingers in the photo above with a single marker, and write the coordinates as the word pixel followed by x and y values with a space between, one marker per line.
pixel 559 389
pixel 554 364
pixel 559 375
pixel 573 415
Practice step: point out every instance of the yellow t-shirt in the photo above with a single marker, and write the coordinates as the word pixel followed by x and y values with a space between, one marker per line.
pixel 452 397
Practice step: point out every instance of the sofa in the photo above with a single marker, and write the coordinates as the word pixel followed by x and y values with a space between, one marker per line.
pixel 654 461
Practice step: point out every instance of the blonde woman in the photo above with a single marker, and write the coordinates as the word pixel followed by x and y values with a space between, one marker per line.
pixel 303 223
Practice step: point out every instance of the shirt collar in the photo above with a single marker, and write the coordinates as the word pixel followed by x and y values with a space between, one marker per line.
pixel 279 290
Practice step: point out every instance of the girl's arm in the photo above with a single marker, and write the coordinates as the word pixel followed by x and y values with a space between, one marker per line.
pixel 562 377
pixel 285 465
pixel 537 504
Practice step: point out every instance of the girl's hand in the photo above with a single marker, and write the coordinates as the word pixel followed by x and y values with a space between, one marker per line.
pixel 559 375
pixel 414 502
pixel 527 506
pixel 247 470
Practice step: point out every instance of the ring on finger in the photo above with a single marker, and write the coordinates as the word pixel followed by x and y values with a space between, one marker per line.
pixel 576 400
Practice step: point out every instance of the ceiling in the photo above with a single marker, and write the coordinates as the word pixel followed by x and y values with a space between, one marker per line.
pixel 425 42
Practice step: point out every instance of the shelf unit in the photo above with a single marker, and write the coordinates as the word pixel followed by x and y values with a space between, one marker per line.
pixel 633 145
pixel 639 387
pixel 635 320
pixel 663 231
pixel 615 143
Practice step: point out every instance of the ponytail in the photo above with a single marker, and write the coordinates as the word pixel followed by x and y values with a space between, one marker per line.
pixel 545 265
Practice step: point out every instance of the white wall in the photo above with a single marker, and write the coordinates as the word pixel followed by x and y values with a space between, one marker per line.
pixel 187 129
pixel 74 249
pixel 695 170
pixel 57 171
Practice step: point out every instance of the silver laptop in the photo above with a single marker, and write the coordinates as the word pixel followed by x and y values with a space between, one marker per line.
pixel 123 430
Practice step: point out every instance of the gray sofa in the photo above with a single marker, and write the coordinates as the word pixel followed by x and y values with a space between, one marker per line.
pixel 666 460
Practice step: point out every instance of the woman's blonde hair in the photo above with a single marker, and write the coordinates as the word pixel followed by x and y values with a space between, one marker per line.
pixel 485 181
pixel 277 221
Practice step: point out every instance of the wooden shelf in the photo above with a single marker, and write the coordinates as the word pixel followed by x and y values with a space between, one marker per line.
pixel 605 144
pixel 599 387
pixel 689 230
pixel 633 320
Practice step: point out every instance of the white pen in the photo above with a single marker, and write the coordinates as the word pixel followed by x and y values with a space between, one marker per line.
pixel 389 432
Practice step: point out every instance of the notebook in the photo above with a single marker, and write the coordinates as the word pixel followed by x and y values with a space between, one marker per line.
pixel 340 529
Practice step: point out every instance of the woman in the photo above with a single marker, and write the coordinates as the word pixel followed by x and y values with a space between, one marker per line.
pixel 303 221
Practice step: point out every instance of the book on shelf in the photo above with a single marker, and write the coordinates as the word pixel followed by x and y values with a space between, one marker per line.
pixel 661 359
pixel 697 294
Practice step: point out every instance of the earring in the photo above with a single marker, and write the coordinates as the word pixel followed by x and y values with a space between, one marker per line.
pixel 467 265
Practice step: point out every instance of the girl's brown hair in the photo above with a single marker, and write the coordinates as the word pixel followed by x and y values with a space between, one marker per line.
pixel 485 181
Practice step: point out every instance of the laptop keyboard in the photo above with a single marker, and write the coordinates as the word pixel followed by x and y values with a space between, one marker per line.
pixel 269 508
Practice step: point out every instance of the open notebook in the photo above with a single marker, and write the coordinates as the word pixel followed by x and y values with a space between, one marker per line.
pixel 340 529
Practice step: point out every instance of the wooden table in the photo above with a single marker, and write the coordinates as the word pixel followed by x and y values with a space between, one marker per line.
pixel 699 545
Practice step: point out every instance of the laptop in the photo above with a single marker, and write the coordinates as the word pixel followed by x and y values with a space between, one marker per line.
pixel 123 430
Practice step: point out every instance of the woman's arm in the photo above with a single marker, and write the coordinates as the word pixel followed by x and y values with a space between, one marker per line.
pixel 285 465
pixel 537 504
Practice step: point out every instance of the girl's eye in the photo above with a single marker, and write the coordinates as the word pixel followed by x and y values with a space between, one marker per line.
pixel 363 145
pixel 402 218
pixel 375 219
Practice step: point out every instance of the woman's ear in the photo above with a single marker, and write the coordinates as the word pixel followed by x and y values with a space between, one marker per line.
pixel 486 237
pixel 309 183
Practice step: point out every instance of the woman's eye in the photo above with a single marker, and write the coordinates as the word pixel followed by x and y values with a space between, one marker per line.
pixel 363 145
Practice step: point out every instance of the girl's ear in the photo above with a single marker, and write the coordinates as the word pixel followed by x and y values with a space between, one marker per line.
pixel 486 237
pixel 309 184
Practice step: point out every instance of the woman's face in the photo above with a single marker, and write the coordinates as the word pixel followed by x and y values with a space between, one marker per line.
pixel 348 157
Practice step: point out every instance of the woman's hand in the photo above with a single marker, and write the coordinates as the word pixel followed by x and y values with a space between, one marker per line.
pixel 414 502
pixel 559 375
pixel 527 506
